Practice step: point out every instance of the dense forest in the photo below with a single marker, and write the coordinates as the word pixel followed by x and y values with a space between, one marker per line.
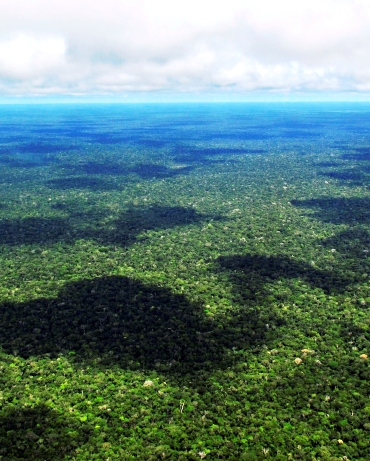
pixel 185 282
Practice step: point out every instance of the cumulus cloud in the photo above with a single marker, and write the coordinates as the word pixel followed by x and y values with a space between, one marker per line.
pixel 25 57
pixel 115 47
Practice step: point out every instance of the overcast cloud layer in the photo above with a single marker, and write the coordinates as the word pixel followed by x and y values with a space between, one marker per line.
pixel 81 47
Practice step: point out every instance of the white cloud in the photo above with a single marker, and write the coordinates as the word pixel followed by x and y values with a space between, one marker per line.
pixel 127 46
pixel 25 57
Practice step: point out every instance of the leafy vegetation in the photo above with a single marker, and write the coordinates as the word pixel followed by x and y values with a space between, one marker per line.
pixel 185 283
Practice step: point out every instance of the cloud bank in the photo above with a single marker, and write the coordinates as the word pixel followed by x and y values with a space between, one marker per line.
pixel 95 47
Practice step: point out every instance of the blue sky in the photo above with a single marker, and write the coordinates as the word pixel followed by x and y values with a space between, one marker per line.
pixel 163 51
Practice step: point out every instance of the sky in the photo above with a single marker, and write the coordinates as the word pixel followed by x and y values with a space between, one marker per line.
pixel 192 50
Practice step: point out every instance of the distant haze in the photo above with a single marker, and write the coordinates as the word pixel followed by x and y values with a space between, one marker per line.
pixel 173 49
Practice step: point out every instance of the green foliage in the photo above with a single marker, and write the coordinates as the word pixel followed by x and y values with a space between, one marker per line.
pixel 161 309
